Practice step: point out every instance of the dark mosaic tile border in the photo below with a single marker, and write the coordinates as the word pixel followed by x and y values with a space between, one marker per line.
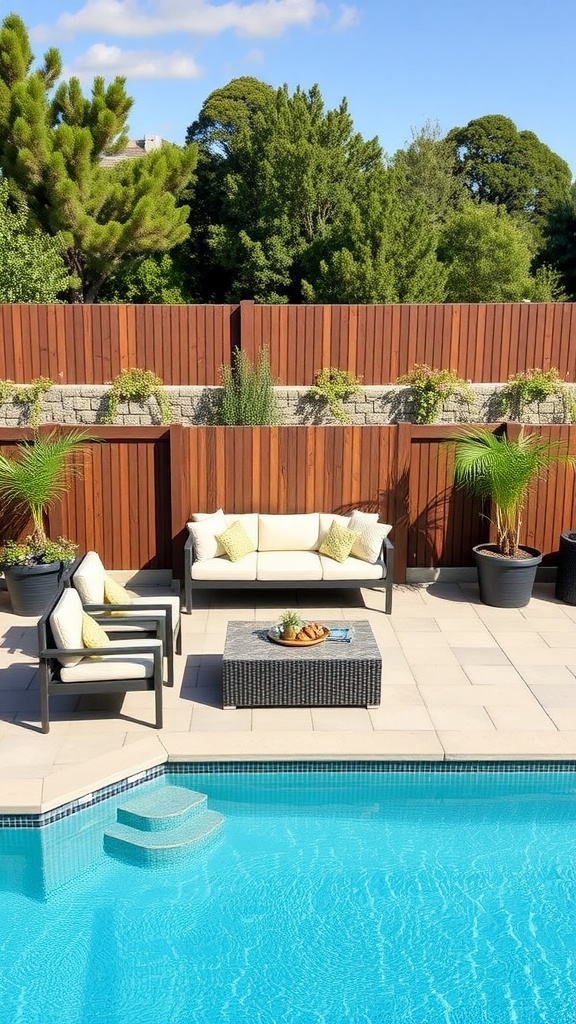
pixel 301 767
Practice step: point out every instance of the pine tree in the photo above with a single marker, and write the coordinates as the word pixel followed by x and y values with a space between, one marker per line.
pixel 51 142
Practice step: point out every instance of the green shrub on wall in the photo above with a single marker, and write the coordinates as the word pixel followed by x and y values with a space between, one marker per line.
pixel 536 385
pixel 135 385
pixel 431 388
pixel 29 395
pixel 332 385
pixel 248 398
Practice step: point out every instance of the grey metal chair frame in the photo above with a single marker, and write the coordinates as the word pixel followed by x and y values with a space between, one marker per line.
pixel 49 670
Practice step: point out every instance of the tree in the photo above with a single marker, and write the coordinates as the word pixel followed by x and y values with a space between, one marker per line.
pixel 147 279
pixel 226 112
pixel 487 256
pixel 51 142
pixel 31 265
pixel 559 250
pixel 428 169
pixel 510 168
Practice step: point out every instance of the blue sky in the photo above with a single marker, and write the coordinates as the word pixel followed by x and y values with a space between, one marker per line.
pixel 399 63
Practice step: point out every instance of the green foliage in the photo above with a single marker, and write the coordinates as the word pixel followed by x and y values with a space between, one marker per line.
pixel 147 279
pixel 32 267
pixel 431 388
pixel 494 467
pixel 31 483
pixel 33 552
pixel 510 168
pixel 488 256
pixel 535 385
pixel 27 394
pixel 331 385
pixel 135 385
pixel 51 143
pixel 291 621
pixel 248 398
pixel 428 170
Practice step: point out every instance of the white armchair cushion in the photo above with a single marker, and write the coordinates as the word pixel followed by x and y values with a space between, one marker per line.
pixel 288 533
pixel 206 544
pixel 113 667
pixel 199 517
pixel 89 579
pixel 66 625
pixel 289 565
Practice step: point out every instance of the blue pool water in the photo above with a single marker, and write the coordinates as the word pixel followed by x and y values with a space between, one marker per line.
pixel 329 897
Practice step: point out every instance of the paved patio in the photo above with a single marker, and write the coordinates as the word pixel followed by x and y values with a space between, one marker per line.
pixel 459 681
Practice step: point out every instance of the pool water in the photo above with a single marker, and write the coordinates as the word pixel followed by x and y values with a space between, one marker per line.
pixel 365 897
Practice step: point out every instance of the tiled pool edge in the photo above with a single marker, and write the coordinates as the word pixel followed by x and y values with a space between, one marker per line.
pixel 75 784
pixel 303 766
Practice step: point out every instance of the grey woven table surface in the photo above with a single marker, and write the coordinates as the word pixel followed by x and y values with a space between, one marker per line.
pixel 250 641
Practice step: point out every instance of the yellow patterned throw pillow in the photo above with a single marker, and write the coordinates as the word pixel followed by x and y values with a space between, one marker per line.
pixel 338 542
pixel 115 593
pixel 92 633
pixel 235 541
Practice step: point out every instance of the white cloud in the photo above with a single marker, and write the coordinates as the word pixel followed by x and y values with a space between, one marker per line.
pixel 110 61
pixel 349 16
pixel 257 18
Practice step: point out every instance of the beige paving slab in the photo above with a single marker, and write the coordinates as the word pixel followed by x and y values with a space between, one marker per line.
pixel 415 624
pixel 564 718
pixel 21 796
pixel 440 674
pixel 338 719
pixel 480 656
pixel 419 641
pixel 531 656
pixel 546 675
pixel 470 639
pixel 494 675
pixel 526 717
pixel 562 638
pixel 507 745
pixel 460 718
pixel 430 655
pixel 386 745
pixel 77 780
pixel 515 639
pixel 557 696
pixel 281 719
pixel 407 717
pixel 480 695
pixel 400 695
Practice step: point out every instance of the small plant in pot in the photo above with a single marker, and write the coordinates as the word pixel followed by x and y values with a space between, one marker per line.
pixel 501 469
pixel 30 484
pixel 290 624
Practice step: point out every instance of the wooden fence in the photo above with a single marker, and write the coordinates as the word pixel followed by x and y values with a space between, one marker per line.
pixel 140 486
pixel 189 344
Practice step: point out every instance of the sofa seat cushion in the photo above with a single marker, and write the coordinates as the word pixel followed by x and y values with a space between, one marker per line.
pixel 289 565
pixel 288 533
pixel 351 569
pixel 224 569
pixel 165 600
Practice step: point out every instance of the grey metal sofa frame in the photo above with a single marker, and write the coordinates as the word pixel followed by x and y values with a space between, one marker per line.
pixel 386 559
pixel 49 671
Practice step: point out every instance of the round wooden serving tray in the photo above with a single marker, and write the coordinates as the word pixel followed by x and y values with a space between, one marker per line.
pixel 277 639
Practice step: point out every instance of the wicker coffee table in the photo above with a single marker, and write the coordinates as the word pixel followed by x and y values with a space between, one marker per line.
pixel 258 673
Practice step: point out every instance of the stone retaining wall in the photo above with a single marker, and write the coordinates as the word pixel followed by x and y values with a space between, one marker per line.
pixel 197 406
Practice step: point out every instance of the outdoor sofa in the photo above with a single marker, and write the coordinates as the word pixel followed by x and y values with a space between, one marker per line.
pixel 286 551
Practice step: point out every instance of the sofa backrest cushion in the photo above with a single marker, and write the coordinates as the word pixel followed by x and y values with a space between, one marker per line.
pixel 288 532
pixel 66 625
pixel 249 520
pixel 206 544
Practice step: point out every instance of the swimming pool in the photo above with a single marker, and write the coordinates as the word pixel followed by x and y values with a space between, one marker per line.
pixel 360 893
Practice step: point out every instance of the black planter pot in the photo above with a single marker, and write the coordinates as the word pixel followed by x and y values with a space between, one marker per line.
pixel 505 582
pixel 32 588
pixel 566 572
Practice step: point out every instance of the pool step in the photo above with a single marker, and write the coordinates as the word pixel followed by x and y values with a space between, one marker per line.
pixel 158 827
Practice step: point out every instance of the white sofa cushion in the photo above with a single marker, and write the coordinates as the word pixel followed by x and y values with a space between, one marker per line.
pixel 288 533
pixel 249 520
pixel 224 569
pixel 122 666
pixel 206 544
pixel 288 565
pixel 199 517
pixel 351 569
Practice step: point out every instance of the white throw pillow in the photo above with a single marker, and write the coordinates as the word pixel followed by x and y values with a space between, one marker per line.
pixel 206 544
pixel 200 517
pixel 369 544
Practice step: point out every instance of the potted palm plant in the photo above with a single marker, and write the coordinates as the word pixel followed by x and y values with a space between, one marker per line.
pixel 502 469
pixel 30 484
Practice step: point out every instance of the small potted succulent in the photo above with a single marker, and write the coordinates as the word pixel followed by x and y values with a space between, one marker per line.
pixel 30 484
pixel 290 624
